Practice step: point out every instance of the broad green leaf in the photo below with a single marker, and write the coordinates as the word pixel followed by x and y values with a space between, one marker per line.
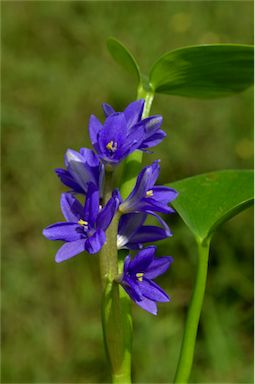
pixel 123 57
pixel 204 71
pixel 205 201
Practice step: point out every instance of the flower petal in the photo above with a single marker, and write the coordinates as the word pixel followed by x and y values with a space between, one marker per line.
pixel 133 140
pixel 139 190
pixel 128 226
pixel 151 204
pixel 158 267
pixel 94 128
pixel 161 222
pixel 154 174
pixel 90 157
pixel 153 134
pixel 142 260
pixel 123 243
pixel 77 167
pixel 106 215
pixel 69 250
pixel 164 194
pixel 95 242
pixel 126 264
pixel 152 291
pixel 115 131
pixel 63 231
pixel 149 234
pixel 133 112
pixel 71 207
pixel 68 180
pixel 152 140
pixel 145 181
pixel 92 204
pixel 148 305
pixel 108 109
pixel 151 124
pixel 131 288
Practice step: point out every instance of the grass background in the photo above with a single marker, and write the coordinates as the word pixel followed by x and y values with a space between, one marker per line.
pixel 56 72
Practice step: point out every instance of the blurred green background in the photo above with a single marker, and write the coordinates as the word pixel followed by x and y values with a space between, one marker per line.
pixel 56 72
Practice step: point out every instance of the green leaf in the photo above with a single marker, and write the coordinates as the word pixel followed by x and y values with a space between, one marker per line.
pixel 205 201
pixel 204 71
pixel 123 57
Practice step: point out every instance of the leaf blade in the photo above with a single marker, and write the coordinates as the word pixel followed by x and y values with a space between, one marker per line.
pixel 123 57
pixel 204 71
pixel 208 200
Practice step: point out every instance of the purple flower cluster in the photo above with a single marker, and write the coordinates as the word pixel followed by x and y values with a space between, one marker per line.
pixel 86 223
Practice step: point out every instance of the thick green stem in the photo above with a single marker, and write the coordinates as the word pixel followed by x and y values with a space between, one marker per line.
pixel 116 314
pixel 117 327
pixel 109 253
pixel 193 316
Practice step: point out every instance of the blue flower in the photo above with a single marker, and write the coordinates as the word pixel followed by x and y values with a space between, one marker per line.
pixel 146 197
pixel 83 167
pixel 85 227
pixel 124 132
pixel 132 234
pixel 137 278
pixel 133 114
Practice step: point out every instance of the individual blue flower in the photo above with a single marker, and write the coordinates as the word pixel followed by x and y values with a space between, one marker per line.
pixel 146 197
pixel 124 132
pixel 133 114
pixel 85 227
pixel 137 278
pixel 132 233
pixel 83 167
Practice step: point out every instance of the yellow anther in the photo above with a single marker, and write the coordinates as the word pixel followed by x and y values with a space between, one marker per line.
pixel 112 146
pixel 139 276
pixel 149 193
pixel 82 222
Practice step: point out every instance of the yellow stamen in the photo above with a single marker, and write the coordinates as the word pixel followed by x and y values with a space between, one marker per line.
pixel 112 146
pixel 140 276
pixel 149 193
pixel 82 222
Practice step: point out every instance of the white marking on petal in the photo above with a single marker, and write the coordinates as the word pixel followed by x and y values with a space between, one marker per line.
pixel 121 241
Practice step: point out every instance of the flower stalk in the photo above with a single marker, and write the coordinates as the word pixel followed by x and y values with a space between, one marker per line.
pixel 193 316
pixel 109 254
pixel 116 305
pixel 116 314
pixel 117 328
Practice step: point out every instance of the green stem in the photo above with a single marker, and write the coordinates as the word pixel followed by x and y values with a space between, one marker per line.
pixel 193 316
pixel 116 313
pixel 117 327
pixel 148 96
pixel 109 253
